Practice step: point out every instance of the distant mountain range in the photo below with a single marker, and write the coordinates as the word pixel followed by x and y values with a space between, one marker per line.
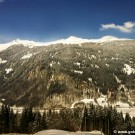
pixel 61 72
pixel 70 40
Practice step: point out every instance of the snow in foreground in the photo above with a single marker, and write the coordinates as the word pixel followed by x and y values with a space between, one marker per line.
pixel 62 132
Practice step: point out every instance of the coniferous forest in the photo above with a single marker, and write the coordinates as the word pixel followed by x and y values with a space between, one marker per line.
pixel 105 119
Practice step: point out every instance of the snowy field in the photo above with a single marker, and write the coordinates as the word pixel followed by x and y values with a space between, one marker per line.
pixel 131 111
pixel 61 132
pixel 124 107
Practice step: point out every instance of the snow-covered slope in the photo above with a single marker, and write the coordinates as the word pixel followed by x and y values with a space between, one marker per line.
pixel 4 46
pixel 21 42
pixel 62 132
pixel 108 39
pixel 70 40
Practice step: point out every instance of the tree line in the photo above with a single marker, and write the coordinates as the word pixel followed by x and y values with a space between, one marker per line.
pixel 105 119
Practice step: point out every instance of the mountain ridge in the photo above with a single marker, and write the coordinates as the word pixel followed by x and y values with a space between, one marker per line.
pixel 69 40
pixel 60 74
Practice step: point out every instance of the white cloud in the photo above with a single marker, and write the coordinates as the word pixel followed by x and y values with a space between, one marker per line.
pixel 127 27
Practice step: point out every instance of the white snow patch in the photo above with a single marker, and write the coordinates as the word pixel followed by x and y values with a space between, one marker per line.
pixel 3 99
pixel 96 132
pixel 96 66
pixel 77 63
pixel 93 57
pixel 128 70
pixel 51 64
pixel 107 65
pixel 77 71
pixel 8 70
pixel 100 101
pixel 58 63
pixel 27 56
pixel 90 79
pixel 89 101
pixel 92 65
pixel 117 79
pixel 4 46
pixel 122 105
pixel 2 61
pixel 129 110
pixel 62 132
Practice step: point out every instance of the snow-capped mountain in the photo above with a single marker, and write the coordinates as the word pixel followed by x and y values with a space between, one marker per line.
pixel 70 40
pixel 39 74
pixel 76 40
pixel 21 42
pixel 108 39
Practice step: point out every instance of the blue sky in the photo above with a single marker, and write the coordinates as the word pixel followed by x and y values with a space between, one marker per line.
pixel 47 20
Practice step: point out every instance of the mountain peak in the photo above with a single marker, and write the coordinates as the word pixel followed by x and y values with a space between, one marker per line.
pixel 75 40
pixel 72 38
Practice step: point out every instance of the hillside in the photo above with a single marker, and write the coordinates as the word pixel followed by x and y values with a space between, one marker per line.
pixel 60 74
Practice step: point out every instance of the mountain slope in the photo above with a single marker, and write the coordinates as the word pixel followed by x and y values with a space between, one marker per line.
pixel 62 73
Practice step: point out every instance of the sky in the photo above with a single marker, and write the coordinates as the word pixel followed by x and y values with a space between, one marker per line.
pixel 47 20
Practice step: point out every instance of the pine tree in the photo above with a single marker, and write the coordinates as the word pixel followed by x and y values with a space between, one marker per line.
pixel 98 118
pixel 78 118
pixel 4 117
pixel 133 123
pixel 103 119
pixel 120 122
pixel 44 124
pixel 12 122
pixel 2 122
pixel 23 126
pixel 128 122
pixel 30 119
pixel 84 120
pixel 113 120
pixel 106 113
pixel 37 123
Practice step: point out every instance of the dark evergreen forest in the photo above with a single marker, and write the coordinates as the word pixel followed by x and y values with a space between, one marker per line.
pixel 106 119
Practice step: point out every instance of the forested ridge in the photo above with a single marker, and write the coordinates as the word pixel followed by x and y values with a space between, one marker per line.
pixel 105 119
